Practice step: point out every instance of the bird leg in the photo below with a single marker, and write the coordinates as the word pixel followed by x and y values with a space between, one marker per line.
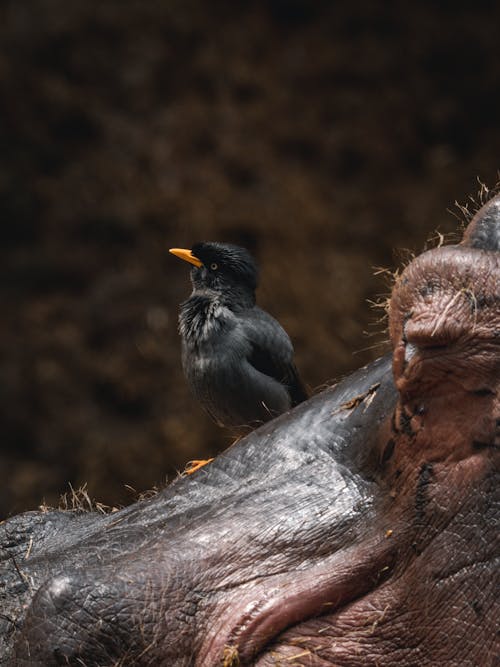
pixel 194 465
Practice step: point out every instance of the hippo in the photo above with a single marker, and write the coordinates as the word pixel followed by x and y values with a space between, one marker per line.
pixel 359 528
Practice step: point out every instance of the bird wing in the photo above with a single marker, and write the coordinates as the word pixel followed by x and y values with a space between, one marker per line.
pixel 271 352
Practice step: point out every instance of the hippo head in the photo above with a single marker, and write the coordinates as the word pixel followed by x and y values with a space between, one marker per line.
pixel 361 528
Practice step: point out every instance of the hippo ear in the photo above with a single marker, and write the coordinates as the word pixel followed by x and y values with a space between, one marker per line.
pixel 483 231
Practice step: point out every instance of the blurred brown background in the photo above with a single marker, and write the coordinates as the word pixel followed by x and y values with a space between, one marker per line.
pixel 320 135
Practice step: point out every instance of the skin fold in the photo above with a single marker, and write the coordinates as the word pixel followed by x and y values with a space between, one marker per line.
pixel 360 528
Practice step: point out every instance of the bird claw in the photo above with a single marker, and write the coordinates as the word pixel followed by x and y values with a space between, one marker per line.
pixel 196 464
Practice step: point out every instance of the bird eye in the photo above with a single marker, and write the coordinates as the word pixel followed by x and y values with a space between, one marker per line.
pixel 214 266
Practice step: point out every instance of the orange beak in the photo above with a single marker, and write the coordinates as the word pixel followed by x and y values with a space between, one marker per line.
pixel 186 255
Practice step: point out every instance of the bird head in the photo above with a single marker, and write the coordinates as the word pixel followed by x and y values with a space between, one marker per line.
pixel 221 267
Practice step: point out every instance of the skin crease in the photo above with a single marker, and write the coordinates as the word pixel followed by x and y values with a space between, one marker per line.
pixel 359 529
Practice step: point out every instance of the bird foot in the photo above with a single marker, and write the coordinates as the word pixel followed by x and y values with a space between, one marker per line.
pixel 196 464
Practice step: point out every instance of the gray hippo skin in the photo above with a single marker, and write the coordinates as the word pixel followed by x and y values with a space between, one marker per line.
pixel 361 528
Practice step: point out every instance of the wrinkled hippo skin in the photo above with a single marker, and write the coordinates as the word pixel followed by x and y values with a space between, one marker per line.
pixel 361 528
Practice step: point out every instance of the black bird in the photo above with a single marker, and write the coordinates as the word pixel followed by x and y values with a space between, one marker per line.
pixel 237 359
